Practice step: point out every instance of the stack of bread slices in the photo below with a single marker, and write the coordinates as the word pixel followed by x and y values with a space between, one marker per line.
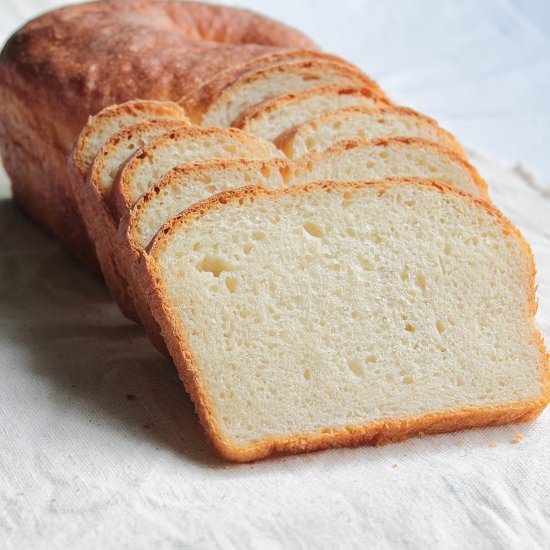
pixel 324 267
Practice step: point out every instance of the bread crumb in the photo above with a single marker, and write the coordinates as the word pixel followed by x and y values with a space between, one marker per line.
pixel 460 442
pixel 492 444
pixel 517 439
pixel 394 466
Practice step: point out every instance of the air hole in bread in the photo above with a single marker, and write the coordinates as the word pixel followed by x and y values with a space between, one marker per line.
pixel 231 284
pixel 314 229
pixel 420 281
pixel 215 265
pixel 366 264
pixel 356 368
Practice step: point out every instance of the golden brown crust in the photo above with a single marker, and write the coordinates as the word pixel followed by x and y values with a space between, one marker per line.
pixel 254 112
pixel 57 70
pixel 373 433
pixel 319 66
pixel 122 195
pixel 309 160
pixel 285 140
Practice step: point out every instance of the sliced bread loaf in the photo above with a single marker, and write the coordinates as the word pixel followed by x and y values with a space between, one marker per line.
pixel 273 117
pixel 105 124
pixel 255 87
pixel 178 190
pixel 93 196
pixel 191 144
pixel 349 123
pixel 366 160
pixel 345 314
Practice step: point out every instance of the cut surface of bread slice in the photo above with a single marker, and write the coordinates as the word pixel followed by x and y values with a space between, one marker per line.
pixel 101 127
pixel 178 190
pixel 349 123
pixel 255 87
pixel 92 197
pixel 273 117
pixel 367 160
pixel 191 144
pixel 186 185
pixel 352 317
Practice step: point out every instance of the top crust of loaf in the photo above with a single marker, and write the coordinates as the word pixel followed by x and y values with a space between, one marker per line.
pixel 122 198
pixel 348 74
pixel 286 141
pixel 101 127
pixel 380 432
pixel 66 70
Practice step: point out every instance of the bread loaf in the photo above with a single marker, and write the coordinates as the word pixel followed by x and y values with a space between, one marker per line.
pixel 359 289
pixel 345 314
pixel 59 69
pixel 271 118
pixel 365 160
pixel 321 132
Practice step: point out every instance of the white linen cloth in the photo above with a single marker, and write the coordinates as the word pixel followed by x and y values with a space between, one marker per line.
pixel 100 447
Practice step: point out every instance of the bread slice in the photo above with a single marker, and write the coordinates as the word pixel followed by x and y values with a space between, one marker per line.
pixel 197 99
pixel 178 190
pixel 105 124
pixel 273 117
pixel 191 144
pixel 255 87
pixel 366 160
pixel 349 123
pixel 345 314
pixel 93 199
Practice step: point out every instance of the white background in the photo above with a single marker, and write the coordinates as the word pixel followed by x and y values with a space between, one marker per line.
pixel 83 466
